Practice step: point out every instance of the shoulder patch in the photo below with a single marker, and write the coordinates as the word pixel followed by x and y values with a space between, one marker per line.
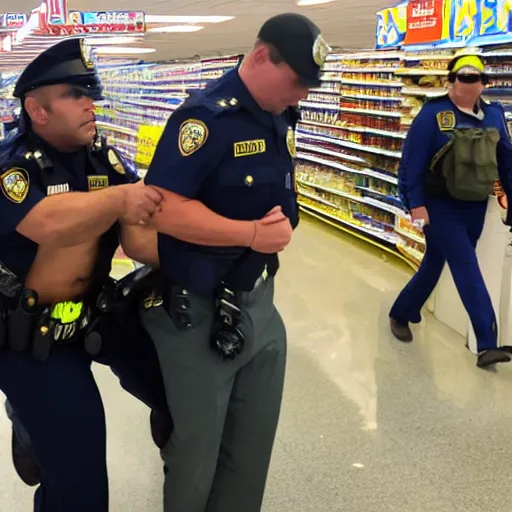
pixel 15 184
pixel 192 136
pixel 115 161
pixel 446 120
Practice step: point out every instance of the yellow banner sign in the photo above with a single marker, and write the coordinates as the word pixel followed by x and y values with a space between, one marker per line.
pixel 147 140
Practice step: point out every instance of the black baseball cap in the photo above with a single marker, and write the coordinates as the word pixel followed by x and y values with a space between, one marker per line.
pixel 299 42
pixel 66 62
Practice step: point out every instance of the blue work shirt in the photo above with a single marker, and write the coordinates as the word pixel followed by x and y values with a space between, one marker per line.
pixel 223 150
pixel 24 184
pixel 428 134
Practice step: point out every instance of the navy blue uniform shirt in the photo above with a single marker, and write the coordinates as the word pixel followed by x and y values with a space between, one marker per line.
pixel 222 149
pixel 24 184
pixel 428 134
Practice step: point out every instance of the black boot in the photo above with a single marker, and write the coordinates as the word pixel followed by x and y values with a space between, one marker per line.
pixel 400 331
pixel 491 357
pixel 24 462
pixel 161 427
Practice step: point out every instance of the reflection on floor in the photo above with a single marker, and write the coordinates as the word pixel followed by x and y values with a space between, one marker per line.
pixel 368 425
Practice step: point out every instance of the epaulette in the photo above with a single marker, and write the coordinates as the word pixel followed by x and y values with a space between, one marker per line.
pixel 215 101
pixel 222 104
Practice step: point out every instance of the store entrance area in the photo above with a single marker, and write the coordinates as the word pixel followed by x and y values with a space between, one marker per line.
pixel 368 424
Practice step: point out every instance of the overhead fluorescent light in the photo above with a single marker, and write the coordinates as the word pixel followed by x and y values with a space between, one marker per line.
pixel 175 28
pixel 123 50
pixel 162 18
pixel 304 3
pixel 94 40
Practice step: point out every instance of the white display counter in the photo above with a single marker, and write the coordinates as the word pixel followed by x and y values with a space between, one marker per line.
pixel 494 251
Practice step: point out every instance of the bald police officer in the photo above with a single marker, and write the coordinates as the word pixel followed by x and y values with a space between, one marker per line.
pixel 62 192
pixel 224 166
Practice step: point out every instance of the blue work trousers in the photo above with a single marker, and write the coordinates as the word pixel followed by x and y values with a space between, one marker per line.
pixel 55 406
pixel 451 237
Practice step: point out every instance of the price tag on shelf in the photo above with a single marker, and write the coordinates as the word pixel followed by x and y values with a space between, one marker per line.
pixel 147 140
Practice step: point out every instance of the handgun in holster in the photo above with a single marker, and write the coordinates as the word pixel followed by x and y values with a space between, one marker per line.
pixel 22 319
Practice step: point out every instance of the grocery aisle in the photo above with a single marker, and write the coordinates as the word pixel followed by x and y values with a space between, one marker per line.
pixel 368 425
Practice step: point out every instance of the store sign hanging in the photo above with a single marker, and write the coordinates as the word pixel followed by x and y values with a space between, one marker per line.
pixel 391 26
pixel 424 21
pixel 6 43
pixel 147 140
pixel 108 21
pixel 13 20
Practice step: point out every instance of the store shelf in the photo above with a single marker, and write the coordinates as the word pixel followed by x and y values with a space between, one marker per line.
pixel 116 128
pixel 373 98
pixel 424 91
pixel 352 197
pixel 335 165
pixel 420 72
pixel 363 229
pixel 359 232
pixel 372 83
pixel 352 145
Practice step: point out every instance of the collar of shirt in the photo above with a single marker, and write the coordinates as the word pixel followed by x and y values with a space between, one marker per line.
pixel 242 94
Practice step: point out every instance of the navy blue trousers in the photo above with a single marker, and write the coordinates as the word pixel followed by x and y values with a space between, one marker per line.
pixel 57 405
pixel 451 237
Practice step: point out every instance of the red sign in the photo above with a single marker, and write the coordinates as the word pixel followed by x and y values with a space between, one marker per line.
pixel 424 21
pixel 76 30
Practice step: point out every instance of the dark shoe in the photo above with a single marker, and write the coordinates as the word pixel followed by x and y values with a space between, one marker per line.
pixel 491 357
pixel 400 331
pixel 161 427
pixel 25 463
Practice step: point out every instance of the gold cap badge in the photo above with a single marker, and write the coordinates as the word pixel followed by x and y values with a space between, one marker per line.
pixel 86 53
pixel 320 50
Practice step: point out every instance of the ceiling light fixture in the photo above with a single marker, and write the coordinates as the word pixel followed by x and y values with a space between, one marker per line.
pixel 123 50
pixel 94 40
pixel 304 3
pixel 162 18
pixel 175 28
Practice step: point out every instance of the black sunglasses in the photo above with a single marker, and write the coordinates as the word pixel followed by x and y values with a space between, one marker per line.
pixel 473 78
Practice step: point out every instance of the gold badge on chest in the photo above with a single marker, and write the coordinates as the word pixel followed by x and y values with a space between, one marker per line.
pixel 115 162
pixel 15 184
pixel 193 135
pixel 97 182
pixel 446 120
pixel 290 142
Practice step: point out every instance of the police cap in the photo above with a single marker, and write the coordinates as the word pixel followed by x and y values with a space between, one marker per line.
pixel 299 42
pixel 67 62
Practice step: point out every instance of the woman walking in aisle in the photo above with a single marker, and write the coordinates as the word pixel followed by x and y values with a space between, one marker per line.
pixel 457 147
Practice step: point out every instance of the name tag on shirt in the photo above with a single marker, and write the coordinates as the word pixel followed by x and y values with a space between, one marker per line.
pixel 249 147
pixel 53 190
pixel 97 182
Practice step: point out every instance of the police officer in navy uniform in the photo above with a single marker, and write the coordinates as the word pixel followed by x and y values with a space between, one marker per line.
pixel 456 149
pixel 224 166
pixel 66 200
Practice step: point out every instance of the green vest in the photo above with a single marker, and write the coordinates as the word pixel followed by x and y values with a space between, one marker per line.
pixel 469 163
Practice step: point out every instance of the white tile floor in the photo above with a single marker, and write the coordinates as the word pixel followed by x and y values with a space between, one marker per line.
pixel 368 425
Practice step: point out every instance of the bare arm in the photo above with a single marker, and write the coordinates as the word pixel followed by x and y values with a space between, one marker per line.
pixel 191 221
pixel 72 218
pixel 140 244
